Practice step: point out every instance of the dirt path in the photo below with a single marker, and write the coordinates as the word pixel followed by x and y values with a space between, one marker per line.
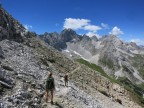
pixel 73 97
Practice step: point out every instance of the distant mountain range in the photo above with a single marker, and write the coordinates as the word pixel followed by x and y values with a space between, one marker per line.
pixel 117 58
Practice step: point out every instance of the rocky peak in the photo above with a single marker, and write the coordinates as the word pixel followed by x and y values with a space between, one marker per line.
pixel 11 29
pixel 69 31
pixel 86 38
pixel 111 40
pixel 103 37
pixel 133 44
pixel 54 34
pixel 94 38
pixel 46 34
pixel 68 35
pixel 113 36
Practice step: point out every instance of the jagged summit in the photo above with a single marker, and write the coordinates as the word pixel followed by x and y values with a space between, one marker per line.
pixel 94 38
pixel 68 31
pixel 68 35
pixel 11 28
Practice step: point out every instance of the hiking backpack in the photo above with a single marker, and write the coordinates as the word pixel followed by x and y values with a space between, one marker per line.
pixel 50 83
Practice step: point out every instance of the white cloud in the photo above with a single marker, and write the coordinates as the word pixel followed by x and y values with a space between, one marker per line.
pixel 91 34
pixel 138 41
pixel 116 31
pixel 82 24
pixel 28 27
pixel 93 28
pixel 75 23
pixel 105 26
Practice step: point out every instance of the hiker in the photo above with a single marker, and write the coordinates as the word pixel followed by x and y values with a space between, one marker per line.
pixel 66 80
pixel 50 87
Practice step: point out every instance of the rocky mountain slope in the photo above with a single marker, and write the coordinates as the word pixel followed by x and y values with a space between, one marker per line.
pixel 24 64
pixel 118 58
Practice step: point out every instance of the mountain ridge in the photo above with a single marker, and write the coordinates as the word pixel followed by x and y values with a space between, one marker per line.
pixel 110 47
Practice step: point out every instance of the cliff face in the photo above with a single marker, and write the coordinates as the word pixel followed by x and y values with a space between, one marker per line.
pixel 24 64
pixel 11 29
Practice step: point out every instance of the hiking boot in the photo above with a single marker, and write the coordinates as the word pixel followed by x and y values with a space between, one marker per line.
pixel 46 99
pixel 52 102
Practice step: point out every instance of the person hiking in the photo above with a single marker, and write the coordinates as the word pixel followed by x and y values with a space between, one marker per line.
pixel 66 80
pixel 50 87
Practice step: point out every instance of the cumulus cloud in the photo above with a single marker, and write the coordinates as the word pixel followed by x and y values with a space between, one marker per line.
pixel 138 41
pixel 28 27
pixel 75 23
pixel 105 26
pixel 91 34
pixel 116 31
pixel 82 24
pixel 92 28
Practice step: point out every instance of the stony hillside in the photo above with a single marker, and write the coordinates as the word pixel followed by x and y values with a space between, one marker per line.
pixel 118 58
pixel 24 64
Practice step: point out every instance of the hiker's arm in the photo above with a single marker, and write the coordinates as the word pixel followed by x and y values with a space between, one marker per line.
pixel 54 84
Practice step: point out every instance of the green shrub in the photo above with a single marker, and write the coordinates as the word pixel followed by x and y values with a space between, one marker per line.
pixel 138 62
pixel 92 66
pixel 135 90
pixel 96 68
pixel 107 62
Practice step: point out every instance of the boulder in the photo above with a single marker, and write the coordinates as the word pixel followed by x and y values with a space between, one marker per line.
pixel 7 68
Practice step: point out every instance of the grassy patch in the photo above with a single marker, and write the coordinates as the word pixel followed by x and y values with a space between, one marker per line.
pixel 92 66
pixel 107 62
pixel 138 62
pixel 96 68
pixel 137 91
pixel 141 86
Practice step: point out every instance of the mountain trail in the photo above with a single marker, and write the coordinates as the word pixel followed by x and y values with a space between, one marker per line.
pixel 75 70
pixel 71 96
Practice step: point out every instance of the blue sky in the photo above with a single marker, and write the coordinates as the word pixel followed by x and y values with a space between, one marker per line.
pixel 124 18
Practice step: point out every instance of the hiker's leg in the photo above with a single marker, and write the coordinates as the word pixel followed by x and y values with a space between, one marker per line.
pixel 51 96
pixel 47 95
pixel 65 83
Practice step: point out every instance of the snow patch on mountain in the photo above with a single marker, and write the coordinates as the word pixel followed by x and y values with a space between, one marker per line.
pixel 77 53
pixel 66 51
